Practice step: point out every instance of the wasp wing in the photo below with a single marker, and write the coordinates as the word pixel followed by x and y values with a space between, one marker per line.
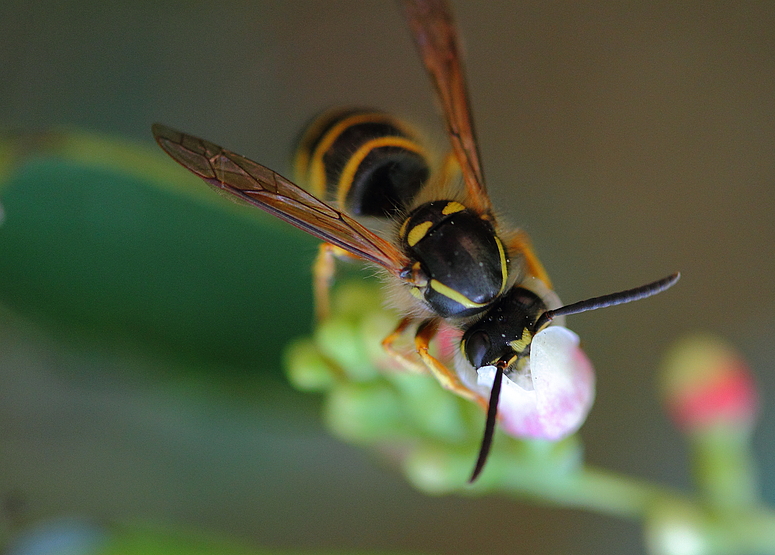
pixel 268 190
pixel 433 29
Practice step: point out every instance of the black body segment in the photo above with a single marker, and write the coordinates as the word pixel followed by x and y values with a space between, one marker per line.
pixel 459 253
pixel 368 161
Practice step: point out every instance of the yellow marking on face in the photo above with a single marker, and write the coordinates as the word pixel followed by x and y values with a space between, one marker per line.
pixel 417 293
pixel 454 295
pixel 452 207
pixel 519 345
pixel 417 233
pixel 351 167
pixel 504 265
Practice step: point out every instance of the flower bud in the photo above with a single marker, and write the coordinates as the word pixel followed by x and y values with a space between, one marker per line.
pixel 705 384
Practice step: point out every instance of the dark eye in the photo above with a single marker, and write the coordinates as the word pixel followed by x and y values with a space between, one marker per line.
pixel 477 347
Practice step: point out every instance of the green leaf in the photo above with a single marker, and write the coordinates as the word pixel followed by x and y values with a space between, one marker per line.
pixel 114 240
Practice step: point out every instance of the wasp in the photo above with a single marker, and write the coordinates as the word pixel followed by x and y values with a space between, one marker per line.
pixel 375 195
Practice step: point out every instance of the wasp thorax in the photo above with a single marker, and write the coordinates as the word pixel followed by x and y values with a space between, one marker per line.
pixel 506 330
pixel 460 254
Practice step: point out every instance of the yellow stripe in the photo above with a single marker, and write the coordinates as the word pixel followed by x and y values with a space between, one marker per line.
pixel 504 265
pixel 348 172
pixel 317 170
pixel 300 164
pixel 402 231
pixel 454 295
pixel 310 136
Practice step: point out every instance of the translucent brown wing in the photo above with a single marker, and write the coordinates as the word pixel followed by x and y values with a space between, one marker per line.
pixel 261 187
pixel 434 33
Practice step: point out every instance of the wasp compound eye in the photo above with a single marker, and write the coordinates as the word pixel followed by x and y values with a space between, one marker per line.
pixel 478 346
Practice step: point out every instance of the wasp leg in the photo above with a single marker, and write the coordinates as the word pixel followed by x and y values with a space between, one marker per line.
pixel 323 275
pixel 446 377
pixel 520 243
pixel 323 271
pixel 395 354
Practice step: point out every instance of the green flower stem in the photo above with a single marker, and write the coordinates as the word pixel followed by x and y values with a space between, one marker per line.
pixel 591 488
pixel 670 515
pixel 723 467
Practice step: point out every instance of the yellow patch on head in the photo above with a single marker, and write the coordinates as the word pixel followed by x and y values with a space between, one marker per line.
pixel 519 345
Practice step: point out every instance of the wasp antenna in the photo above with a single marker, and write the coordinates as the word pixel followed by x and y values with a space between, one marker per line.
pixel 612 299
pixel 489 426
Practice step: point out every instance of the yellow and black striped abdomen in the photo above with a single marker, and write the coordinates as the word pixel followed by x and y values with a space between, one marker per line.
pixel 369 162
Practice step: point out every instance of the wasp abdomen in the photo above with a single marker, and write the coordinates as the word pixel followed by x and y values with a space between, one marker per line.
pixel 370 162
pixel 459 253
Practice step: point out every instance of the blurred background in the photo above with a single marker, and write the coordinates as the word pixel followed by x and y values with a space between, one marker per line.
pixel 141 329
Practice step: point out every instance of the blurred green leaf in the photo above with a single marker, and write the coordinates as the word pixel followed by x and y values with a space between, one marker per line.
pixel 113 240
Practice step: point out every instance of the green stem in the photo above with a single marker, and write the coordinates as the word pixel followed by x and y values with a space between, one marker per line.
pixel 591 488
pixel 730 532
pixel 723 468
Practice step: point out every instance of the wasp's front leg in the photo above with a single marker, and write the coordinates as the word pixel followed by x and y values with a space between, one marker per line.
pixel 446 377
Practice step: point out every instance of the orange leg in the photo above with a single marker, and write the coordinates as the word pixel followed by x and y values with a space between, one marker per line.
pixel 520 243
pixel 323 271
pixel 395 354
pixel 446 377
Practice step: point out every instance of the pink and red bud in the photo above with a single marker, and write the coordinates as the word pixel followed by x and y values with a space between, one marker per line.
pixel 705 383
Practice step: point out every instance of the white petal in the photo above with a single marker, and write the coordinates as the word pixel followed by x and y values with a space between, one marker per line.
pixel 563 388
pixel 564 381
